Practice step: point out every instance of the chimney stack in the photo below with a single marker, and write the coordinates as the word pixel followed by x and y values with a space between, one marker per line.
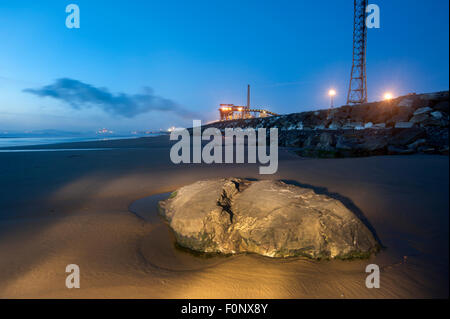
pixel 248 96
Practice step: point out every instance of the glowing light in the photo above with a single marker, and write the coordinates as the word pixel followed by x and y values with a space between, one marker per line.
pixel 388 96
pixel 239 109
pixel 332 92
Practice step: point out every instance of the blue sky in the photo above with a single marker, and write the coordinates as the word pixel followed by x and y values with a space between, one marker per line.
pixel 195 55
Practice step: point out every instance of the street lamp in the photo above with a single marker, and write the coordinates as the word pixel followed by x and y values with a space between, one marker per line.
pixel 331 93
pixel 388 96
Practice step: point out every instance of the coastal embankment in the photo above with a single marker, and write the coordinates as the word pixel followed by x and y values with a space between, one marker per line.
pixel 415 123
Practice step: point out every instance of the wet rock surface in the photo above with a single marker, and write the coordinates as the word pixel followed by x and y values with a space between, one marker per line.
pixel 266 217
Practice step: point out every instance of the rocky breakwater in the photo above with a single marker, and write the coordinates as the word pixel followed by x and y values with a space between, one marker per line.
pixel 415 123
pixel 266 217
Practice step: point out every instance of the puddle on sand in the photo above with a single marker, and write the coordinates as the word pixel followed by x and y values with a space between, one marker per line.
pixel 159 247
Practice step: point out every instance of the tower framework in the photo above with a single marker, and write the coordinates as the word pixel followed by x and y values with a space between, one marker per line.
pixel 357 90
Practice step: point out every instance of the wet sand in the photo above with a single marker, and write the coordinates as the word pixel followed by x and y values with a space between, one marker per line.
pixel 93 209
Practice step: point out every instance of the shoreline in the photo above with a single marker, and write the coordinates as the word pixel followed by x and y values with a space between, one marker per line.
pixel 88 140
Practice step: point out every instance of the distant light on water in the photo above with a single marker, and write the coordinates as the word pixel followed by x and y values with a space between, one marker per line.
pixel 174 128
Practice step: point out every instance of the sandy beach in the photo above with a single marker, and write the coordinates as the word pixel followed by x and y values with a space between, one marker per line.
pixel 97 209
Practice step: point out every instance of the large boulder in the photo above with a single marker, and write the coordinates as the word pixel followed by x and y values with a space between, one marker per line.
pixel 403 137
pixel 419 118
pixel 266 217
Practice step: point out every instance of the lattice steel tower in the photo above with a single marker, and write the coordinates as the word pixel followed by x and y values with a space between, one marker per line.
pixel 357 90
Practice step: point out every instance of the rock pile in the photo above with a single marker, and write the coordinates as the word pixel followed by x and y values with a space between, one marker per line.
pixel 415 123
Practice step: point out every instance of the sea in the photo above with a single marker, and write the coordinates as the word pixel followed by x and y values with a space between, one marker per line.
pixel 27 141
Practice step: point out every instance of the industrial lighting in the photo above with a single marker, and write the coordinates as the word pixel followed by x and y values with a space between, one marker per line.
pixel 331 93
pixel 388 96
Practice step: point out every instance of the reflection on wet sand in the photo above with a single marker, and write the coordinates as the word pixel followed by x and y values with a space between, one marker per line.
pixel 94 210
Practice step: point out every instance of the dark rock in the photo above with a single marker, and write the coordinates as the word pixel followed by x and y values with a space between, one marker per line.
pixel 374 145
pixel 442 106
pixel 345 143
pixel 433 121
pixel 417 143
pixel 436 114
pixel 426 149
pixel 444 150
pixel 402 137
pixel 404 124
pixel 423 110
pixel 421 117
pixel 326 141
pixel 393 150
